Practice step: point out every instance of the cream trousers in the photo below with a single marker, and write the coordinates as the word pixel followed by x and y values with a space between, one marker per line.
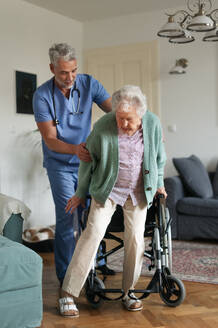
pixel 87 246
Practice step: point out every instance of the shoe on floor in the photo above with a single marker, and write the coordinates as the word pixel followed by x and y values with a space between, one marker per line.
pixel 67 307
pixel 105 270
pixel 132 304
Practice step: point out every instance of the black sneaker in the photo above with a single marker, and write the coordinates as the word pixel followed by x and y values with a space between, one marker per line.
pixel 105 270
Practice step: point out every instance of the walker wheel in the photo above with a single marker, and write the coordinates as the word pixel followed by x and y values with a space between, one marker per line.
pixel 172 291
pixel 92 296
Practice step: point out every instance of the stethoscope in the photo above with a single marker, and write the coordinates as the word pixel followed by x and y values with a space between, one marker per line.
pixel 75 110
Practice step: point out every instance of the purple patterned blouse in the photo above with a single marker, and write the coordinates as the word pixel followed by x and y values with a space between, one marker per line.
pixel 130 179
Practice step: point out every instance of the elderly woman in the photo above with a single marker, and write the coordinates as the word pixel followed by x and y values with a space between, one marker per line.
pixel 127 168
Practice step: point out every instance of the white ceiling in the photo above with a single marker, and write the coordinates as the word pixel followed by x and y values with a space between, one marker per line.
pixel 89 10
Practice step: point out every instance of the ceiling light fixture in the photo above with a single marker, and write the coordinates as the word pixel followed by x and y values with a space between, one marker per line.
pixel 182 23
pixel 212 35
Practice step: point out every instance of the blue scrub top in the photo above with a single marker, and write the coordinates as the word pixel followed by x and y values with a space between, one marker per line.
pixel 72 128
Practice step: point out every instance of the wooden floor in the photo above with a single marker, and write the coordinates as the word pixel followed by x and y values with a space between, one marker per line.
pixel 199 310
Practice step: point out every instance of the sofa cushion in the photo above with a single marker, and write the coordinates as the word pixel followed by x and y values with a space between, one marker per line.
pixel 215 183
pixel 194 176
pixel 20 286
pixel 20 267
pixel 198 207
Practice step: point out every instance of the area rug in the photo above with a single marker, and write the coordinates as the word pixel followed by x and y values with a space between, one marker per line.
pixel 191 261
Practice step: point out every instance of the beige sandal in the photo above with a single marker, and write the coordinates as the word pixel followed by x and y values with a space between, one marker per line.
pixel 132 304
pixel 67 307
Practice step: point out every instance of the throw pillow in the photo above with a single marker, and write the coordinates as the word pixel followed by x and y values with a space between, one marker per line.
pixel 215 182
pixel 194 176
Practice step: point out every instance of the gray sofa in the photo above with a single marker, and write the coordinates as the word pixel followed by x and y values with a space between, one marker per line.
pixel 193 200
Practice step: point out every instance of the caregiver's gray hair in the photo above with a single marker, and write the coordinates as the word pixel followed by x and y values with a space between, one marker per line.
pixel 129 95
pixel 63 51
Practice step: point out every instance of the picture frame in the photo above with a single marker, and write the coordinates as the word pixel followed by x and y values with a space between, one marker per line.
pixel 25 88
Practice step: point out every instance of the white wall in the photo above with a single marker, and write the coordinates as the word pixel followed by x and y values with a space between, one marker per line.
pixel 190 101
pixel 26 33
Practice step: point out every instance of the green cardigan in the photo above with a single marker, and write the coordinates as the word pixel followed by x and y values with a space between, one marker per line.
pixel 99 176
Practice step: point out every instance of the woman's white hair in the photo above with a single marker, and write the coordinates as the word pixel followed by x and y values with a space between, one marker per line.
pixel 63 51
pixel 129 95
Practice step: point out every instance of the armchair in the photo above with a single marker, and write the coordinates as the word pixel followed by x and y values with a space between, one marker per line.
pixel 12 214
pixel 21 270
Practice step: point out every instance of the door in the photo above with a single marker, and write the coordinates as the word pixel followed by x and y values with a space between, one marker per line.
pixel 136 64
